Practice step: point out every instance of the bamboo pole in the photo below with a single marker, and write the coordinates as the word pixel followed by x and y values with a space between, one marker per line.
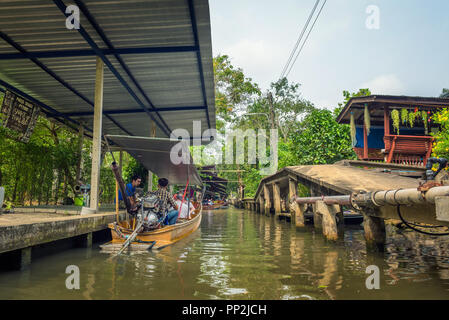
pixel 116 200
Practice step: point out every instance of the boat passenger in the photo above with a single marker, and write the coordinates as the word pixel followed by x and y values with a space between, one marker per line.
pixel 130 189
pixel 186 208
pixel 167 200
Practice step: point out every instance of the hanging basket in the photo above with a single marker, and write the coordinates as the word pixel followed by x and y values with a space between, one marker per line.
pixel 353 130
pixel 367 120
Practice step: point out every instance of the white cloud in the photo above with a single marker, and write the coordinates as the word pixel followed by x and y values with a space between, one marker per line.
pixel 385 84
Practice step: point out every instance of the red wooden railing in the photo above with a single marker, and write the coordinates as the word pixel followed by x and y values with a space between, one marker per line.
pixel 412 150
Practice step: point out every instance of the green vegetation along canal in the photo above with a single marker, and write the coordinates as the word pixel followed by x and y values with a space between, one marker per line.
pixel 241 255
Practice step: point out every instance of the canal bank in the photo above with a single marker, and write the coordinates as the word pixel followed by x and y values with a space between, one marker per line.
pixel 237 254
pixel 28 232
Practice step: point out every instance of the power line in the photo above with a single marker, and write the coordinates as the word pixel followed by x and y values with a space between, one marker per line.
pixel 305 40
pixel 299 39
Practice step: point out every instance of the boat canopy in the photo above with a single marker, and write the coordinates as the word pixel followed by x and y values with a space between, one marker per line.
pixel 156 154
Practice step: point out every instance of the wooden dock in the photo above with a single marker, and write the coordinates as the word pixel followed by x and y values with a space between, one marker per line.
pixel 344 178
pixel 27 228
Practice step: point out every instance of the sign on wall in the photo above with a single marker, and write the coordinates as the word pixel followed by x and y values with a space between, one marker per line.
pixel 19 115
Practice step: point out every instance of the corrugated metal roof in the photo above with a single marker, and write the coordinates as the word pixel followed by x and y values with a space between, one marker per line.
pixel 161 50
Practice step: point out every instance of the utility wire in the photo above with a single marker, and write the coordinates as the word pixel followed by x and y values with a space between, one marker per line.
pixel 305 40
pixel 299 39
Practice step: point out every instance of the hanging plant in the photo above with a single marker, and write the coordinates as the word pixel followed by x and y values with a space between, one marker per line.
pixel 395 118
pixel 411 119
pixel 353 130
pixel 367 119
pixel 424 117
pixel 404 116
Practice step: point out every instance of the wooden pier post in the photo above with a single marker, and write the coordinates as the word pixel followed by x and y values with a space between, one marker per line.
pixel 261 205
pixel 317 218
pixel 84 240
pixel 267 200
pixel 292 192
pixel 25 258
pixel 375 235
pixel 297 214
pixel 329 222
pixel 277 199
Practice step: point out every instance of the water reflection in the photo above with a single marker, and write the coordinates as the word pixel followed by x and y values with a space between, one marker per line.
pixel 242 255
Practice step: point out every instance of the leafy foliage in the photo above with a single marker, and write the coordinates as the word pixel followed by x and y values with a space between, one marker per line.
pixel 441 144
pixel 322 140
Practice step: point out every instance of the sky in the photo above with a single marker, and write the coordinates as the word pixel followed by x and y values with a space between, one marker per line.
pixel 407 55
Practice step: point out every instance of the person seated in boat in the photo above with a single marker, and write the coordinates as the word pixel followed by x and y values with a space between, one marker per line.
pixel 167 200
pixel 187 207
pixel 130 189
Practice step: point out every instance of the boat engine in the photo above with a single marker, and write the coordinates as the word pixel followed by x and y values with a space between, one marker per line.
pixel 149 212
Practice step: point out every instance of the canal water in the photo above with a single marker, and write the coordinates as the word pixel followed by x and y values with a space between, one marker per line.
pixel 240 255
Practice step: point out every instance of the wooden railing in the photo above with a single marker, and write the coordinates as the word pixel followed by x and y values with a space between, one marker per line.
pixel 411 150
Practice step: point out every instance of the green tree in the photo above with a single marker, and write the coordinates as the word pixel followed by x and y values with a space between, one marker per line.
pixel 320 139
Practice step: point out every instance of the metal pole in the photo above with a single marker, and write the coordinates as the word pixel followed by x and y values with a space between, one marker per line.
pixel 381 198
pixel 341 200
pixel 96 139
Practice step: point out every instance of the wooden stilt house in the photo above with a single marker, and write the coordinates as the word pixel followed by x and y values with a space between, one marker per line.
pixel 394 129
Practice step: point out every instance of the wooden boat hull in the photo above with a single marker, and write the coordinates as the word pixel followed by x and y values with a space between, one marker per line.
pixel 212 207
pixel 163 237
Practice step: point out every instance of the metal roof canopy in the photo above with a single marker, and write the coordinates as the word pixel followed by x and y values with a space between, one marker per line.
pixel 157 53
pixel 154 154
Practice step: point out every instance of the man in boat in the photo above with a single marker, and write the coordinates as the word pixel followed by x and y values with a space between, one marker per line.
pixel 131 189
pixel 187 207
pixel 167 200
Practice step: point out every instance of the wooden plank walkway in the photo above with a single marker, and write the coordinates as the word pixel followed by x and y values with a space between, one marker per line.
pixel 346 179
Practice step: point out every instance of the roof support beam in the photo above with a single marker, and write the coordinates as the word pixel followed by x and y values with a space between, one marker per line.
pixel 198 56
pixel 100 32
pixel 111 112
pixel 62 7
pixel 19 48
pixel 96 140
pixel 90 52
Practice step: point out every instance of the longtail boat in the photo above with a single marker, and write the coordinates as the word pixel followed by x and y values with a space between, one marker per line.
pixel 212 206
pixel 154 155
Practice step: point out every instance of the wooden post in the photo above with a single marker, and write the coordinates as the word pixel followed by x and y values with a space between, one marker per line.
pixel 317 217
pixel 150 174
pixel 79 164
pixel 267 199
pixel 25 258
pixel 96 139
pixel 375 235
pixel 116 200
pixel 84 240
pixel 365 143
pixel 386 120
pixel 292 192
pixel 329 223
pixel 120 162
pixel 299 211
pixel 277 199
pixel 261 204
